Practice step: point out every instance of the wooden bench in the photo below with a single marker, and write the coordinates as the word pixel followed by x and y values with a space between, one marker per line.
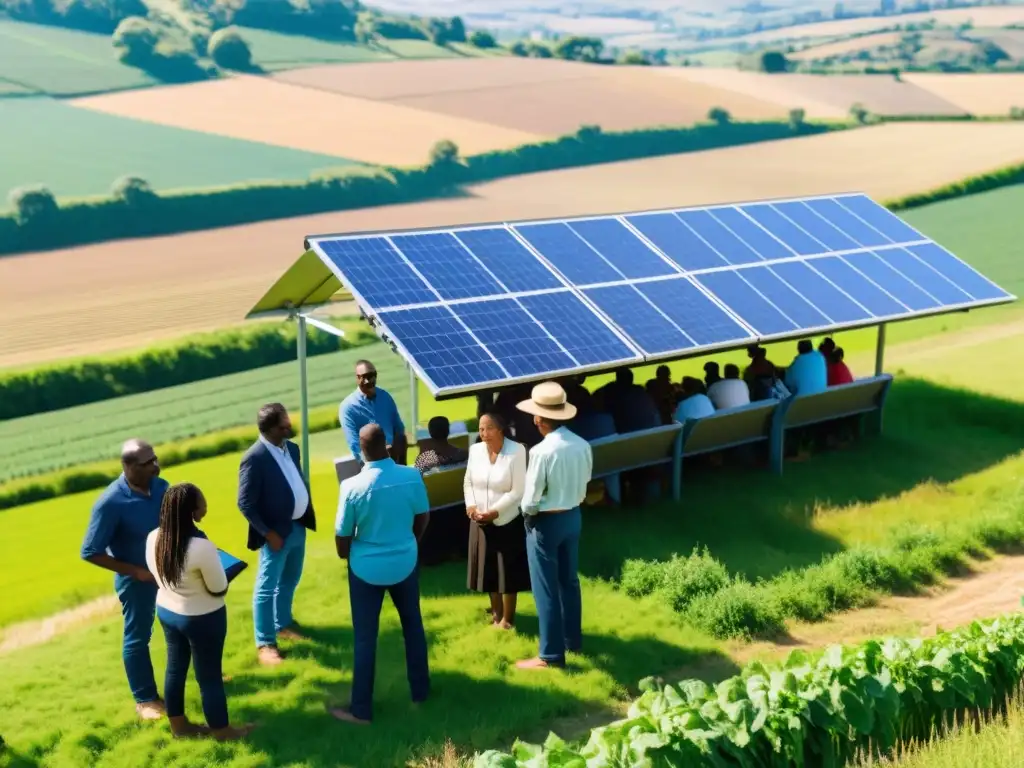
pixel 864 398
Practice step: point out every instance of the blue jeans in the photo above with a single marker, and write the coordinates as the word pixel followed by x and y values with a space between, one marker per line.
pixel 138 606
pixel 367 600
pixel 552 547
pixel 198 639
pixel 276 581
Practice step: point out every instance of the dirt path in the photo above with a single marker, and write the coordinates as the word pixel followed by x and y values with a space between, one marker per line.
pixel 29 633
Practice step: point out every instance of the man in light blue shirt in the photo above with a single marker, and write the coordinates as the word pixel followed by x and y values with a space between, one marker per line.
pixel 556 484
pixel 808 373
pixel 382 515
pixel 370 404
pixel 695 404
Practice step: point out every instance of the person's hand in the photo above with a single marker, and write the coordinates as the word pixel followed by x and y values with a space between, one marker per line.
pixel 486 517
pixel 275 541
pixel 471 513
pixel 529 522
pixel 144 575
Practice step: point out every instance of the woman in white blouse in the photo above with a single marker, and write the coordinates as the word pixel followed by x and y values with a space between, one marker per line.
pixel 494 485
pixel 190 605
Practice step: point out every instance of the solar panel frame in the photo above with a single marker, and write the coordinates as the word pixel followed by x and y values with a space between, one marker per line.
pixel 313 242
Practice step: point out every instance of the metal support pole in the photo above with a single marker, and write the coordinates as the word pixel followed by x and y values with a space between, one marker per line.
pixel 414 406
pixel 300 342
pixel 880 351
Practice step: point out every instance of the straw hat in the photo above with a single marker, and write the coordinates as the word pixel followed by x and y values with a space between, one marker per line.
pixel 548 401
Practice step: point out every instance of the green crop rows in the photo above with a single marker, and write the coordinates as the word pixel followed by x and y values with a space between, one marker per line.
pixel 50 441
pixel 810 711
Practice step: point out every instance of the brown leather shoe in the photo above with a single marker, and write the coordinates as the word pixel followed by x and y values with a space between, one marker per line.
pixel 269 656
pixel 151 710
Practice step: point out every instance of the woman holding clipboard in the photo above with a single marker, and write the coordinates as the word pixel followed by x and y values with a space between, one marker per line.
pixel 192 582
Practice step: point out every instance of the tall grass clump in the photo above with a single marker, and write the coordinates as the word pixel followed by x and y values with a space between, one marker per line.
pixel 678 581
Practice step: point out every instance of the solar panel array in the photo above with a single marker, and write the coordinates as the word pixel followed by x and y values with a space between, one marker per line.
pixel 492 305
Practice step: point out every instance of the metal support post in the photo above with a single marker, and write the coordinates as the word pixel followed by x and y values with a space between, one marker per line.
pixel 414 406
pixel 300 342
pixel 880 351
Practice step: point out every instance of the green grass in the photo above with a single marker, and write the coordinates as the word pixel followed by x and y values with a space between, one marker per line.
pixel 78 152
pixel 62 62
pixel 274 51
pixel 418 49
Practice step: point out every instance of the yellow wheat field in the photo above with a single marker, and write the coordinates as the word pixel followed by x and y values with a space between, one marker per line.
pixel 123 294
pixel 981 94
pixel 262 109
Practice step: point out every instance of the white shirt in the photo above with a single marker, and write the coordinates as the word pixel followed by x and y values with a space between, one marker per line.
pixel 498 486
pixel 729 393
pixel 559 470
pixel 291 474
pixel 201 575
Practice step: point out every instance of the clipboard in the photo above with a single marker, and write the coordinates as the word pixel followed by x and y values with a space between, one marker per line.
pixel 232 565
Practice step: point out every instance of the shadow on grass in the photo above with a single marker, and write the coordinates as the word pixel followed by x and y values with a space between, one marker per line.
pixel 475 713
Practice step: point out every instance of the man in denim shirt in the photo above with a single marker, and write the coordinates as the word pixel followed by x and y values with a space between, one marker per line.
pixel 121 520
pixel 370 404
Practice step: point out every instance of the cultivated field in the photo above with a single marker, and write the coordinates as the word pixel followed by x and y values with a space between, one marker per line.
pixel 847 47
pixel 154 283
pixel 260 109
pixel 537 96
pixel 979 94
pixel 79 152
pixel 988 16
pixel 273 51
pixel 823 96
pixel 62 62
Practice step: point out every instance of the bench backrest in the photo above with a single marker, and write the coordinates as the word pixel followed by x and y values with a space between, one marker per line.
pixel 444 486
pixel 631 450
pixel 862 396
pixel 726 429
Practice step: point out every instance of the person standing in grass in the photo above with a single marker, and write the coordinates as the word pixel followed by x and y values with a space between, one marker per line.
pixel 190 606
pixel 369 404
pixel 559 468
pixel 121 519
pixel 382 515
pixel 274 497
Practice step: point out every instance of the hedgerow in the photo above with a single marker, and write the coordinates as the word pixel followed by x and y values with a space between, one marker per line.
pixel 811 710
pixel 972 185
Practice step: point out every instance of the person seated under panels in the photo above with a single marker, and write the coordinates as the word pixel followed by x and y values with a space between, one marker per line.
pixel 730 392
pixel 663 392
pixel 760 366
pixel 575 393
pixel 694 403
pixel 633 411
pixel 437 451
pixel 591 424
pixel 447 535
pixel 806 375
pixel 523 429
pixel 711 373
pixel 827 347
pixel 838 374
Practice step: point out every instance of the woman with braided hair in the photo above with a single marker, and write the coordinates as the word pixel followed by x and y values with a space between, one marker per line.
pixel 190 606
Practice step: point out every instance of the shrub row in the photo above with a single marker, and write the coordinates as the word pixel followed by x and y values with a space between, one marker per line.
pixel 701 589
pixel 42 224
pixel 811 710
pixel 203 356
pixel 972 185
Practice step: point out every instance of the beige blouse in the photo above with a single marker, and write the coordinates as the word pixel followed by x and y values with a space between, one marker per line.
pixel 498 486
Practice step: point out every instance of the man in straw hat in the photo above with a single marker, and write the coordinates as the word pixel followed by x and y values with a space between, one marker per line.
pixel 556 484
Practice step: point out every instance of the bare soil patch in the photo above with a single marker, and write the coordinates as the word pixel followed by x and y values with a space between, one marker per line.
pixel 122 294
pixel 31 633
pixel 264 110
pixel 979 94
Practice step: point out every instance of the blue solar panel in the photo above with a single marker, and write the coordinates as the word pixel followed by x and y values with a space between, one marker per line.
pixel 654 333
pixel 441 347
pixel 508 259
pixel 754 309
pixel 377 272
pixel 584 335
pixel 703 320
pixel 622 249
pixel 447 265
pixel 506 303
pixel 569 253
pixel 513 337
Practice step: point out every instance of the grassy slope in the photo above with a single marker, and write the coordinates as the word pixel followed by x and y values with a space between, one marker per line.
pixel 79 152
pixel 774 523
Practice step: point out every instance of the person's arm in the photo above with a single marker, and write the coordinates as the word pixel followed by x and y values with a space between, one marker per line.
pixel 347 419
pixel 249 487
pixel 535 485
pixel 344 524
pixel 210 568
pixel 467 487
pixel 514 497
pixel 102 524
pixel 421 511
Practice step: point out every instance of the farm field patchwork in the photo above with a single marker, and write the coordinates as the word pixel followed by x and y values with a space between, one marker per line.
pixel 274 51
pixel 846 47
pixel 79 152
pixel 980 94
pixel 830 503
pixel 63 62
pixel 825 95
pixel 275 113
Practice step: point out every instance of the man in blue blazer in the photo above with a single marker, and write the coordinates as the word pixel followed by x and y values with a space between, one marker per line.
pixel 274 497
